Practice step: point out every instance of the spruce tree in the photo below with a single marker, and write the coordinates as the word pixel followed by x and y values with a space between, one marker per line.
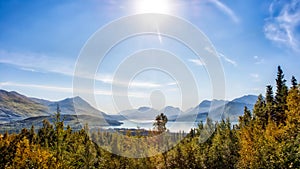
pixel 259 111
pixel 160 123
pixel 270 103
pixel 280 97
pixel 245 119
pixel 294 82
pixel 269 95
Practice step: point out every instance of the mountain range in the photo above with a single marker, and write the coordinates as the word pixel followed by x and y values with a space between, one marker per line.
pixel 19 111
pixel 214 109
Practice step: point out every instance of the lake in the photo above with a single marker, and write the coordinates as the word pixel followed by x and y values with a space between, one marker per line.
pixel 172 126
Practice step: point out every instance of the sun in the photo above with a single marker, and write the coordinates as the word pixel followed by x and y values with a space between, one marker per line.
pixel 152 6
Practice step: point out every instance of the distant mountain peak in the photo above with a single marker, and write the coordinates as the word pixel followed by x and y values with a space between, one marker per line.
pixel 144 108
pixel 248 99
pixel 208 103
pixel 171 107
pixel 204 103
pixel 13 104
pixel 77 98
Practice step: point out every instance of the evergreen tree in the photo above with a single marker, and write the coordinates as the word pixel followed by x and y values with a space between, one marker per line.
pixel 46 134
pixel 270 110
pixel 280 97
pixel 269 95
pixel 89 153
pixel 160 123
pixel 245 119
pixel 294 82
pixel 223 151
pixel 32 135
pixel 259 111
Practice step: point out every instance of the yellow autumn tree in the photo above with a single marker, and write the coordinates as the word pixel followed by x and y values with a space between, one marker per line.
pixel 31 156
pixel 291 154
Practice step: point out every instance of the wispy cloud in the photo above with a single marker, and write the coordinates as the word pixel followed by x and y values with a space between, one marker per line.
pixel 257 89
pixel 43 87
pixel 282 24
pixel 37 62
pixel 69 90
pixel 28 69
pixel 108 79
pixel 144 84
pixel 171 84
pixel 227 59
pixel 225 9
pixel 197 62
pixel 255 76
pixel 258 60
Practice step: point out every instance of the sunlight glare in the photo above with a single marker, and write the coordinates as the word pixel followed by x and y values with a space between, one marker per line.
pixel 152 6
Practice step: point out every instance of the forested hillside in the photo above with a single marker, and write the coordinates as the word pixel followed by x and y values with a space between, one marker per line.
pixel 267 137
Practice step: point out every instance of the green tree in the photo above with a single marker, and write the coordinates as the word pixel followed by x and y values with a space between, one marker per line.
pixel 89 154
pixel 160 123
pixel 46 134
pixel 280 97
pixel 59 129
pixel 270 110
pixel 269 95
pixel 245 119
pixel 32 135
pixel 223 153
pixel 294 82
pixel 259 111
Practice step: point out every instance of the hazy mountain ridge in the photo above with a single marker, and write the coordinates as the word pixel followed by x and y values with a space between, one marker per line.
pixel 248 99
pixel 147 113
pixel 75 121
pixel 220 109
pixel 214 109
pixel 16 106
pixel 19 110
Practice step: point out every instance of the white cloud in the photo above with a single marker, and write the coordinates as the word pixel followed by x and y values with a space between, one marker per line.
pixel 28 69
pixel 101 92
pixel 197 62
pixel 144 84
pixel 257 90
pixel 108 79
pixel 258 60
pixel 37 62
pixel 171 84
pixel 282 24
pixel 227 59
pixel 225 9
pixel 255 76
pixel 43 87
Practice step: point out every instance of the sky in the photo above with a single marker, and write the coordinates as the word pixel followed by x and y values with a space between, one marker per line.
pixel 40 42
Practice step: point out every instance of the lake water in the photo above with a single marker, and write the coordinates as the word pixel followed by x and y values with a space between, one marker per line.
pixel 172 126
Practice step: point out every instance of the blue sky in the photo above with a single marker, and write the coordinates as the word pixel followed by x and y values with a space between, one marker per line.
pixel 41 40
